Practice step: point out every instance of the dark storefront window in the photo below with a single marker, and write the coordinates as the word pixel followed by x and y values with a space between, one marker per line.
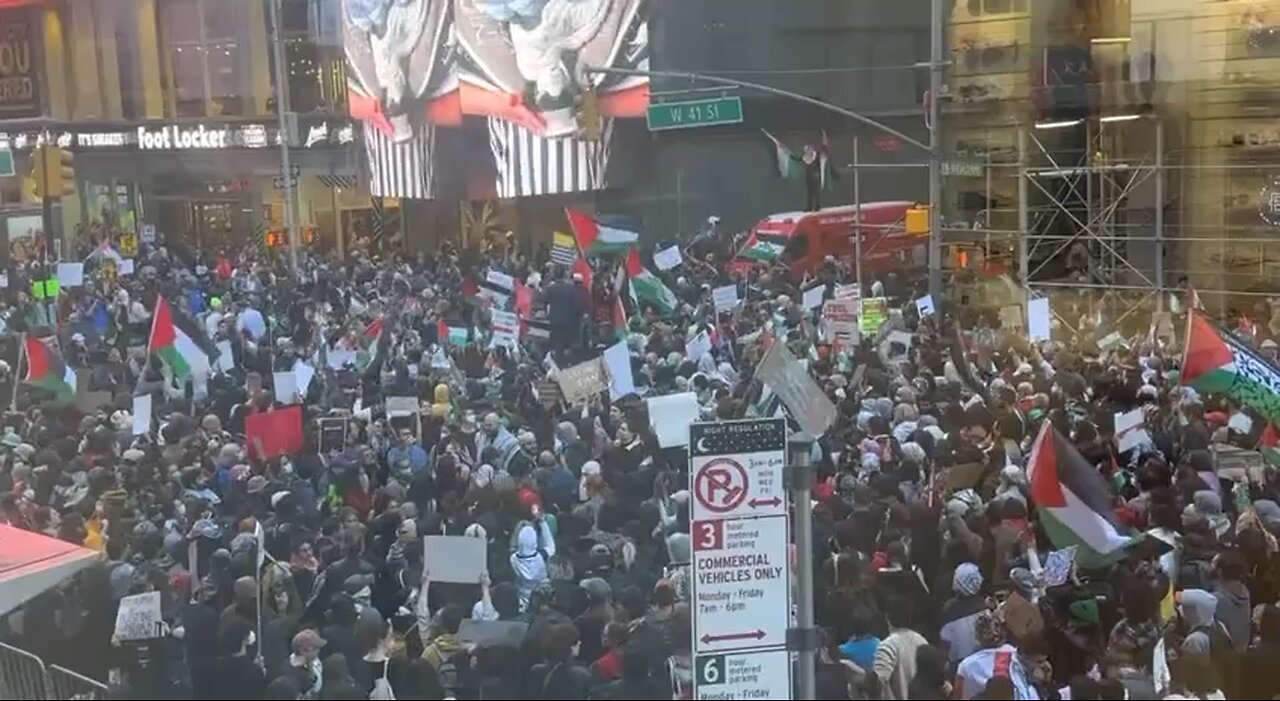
pixel 203 39
pixel 313 55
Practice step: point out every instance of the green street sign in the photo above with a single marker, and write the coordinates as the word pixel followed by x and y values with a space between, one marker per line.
pixel 695 113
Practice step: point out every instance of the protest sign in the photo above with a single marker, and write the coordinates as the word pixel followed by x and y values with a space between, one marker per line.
pixel 273 433
pixel 506 329
pixel 402 406
pixel 226 358
pixel 333 435
pixel 840 323
pixel 812 297
pixel 725 298
pixel 142 415
pixel 1059 565
pixel 697 347
pixel 1039 319
pixel 582 381
pixel 799 393
pixel 500 279
pixel 138 617
pixel 489 633
pixel 848 292
pixel 454 558
pixel 1011 318
pixel 71 274
pixel 873 312
pixel 617 360
pixel 670 416
pixel 302 376
pixel 668 258
pixel 286 387
pixel 924 306
pixel 1130 430
pixel 548 393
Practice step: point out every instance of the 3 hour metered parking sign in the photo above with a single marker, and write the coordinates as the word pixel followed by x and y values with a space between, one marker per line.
pixel 741 584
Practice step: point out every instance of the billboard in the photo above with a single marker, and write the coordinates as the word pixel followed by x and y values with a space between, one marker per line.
pixel 503 80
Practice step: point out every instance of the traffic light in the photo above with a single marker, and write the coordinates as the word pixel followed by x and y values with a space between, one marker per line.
pixel 589 120
pixel 54 172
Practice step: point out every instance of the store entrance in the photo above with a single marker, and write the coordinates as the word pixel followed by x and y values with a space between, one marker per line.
pixel 204 224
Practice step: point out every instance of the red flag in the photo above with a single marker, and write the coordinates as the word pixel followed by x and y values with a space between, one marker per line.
pixel 374 330
pixel 274 433
pixel 581 267
pixel 442 331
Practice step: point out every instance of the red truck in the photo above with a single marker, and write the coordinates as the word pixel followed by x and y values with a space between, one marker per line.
pixel 802 240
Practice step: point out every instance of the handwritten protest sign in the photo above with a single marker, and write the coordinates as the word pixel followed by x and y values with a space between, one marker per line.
pixel 139 617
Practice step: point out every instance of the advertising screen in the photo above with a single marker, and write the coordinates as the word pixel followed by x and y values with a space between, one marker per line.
pixel 503 79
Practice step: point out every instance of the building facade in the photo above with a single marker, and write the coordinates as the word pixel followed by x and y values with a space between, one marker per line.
pixel 169 108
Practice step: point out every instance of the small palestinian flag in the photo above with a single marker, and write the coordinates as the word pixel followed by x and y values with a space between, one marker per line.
pixel 1073 501
pixel 1216 361
pixel 47 370
pixel 787 162
pixel 595 239
pixel 647 287
pixel 761 250
pixel 178 342
pixel 1269 445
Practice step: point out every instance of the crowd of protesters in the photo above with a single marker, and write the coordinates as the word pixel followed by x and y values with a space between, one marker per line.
pixel 926 588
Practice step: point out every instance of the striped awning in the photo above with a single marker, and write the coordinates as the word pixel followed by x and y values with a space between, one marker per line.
pixel 338 182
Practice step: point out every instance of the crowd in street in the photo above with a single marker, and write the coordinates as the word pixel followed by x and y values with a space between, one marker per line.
pixel 300 574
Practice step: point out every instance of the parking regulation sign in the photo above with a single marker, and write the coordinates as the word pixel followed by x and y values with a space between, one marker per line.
pixel 736 469
pixel 741 583
pixel 750 675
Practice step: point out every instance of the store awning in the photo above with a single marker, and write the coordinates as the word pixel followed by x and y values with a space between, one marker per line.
pixel 31 563
pixel 6 4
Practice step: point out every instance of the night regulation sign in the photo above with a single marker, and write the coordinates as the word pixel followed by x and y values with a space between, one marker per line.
pixel 736 469
pixel 741 560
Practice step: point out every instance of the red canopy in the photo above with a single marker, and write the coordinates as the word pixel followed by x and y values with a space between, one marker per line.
pixel 31 563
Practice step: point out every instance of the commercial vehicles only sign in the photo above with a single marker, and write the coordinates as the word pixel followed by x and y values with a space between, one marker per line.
pixel 741 584
pixel 741 580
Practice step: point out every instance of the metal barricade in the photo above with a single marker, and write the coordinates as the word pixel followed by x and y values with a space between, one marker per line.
pixel 22 675
pixel 66 685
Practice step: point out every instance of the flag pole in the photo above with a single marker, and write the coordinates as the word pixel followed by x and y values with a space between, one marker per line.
pixel 17 372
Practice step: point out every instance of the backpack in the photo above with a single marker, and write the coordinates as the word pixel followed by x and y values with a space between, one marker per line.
pixel 452 673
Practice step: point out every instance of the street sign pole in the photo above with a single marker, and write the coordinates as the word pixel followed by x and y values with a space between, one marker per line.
pixel 741 583
pixel 804 638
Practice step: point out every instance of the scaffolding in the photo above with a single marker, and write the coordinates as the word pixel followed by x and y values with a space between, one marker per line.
pixel 1159 171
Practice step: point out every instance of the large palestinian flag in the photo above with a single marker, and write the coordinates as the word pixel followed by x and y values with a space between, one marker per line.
pixel 647 287
pixel 595 239
pixel 1215 361
pixel 178 342
pixel 1073 501
pixel 47 370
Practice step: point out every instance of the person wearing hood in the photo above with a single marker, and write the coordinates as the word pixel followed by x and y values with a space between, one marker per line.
pixel 1205 634
pixel 1233 611
pixel 960 614
pixel 534 546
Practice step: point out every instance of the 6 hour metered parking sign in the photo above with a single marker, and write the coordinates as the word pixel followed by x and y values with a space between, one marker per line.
pixel 748 675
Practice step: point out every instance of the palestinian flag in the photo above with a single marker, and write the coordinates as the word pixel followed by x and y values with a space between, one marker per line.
pixel 595 239
pixel 1215 361
pixel 1073 501
pixel 757 248
pixel 646 287
pixel 47 370
pixel 106 250
pixel 178 342
pixel 788 164
pixel 1269 445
